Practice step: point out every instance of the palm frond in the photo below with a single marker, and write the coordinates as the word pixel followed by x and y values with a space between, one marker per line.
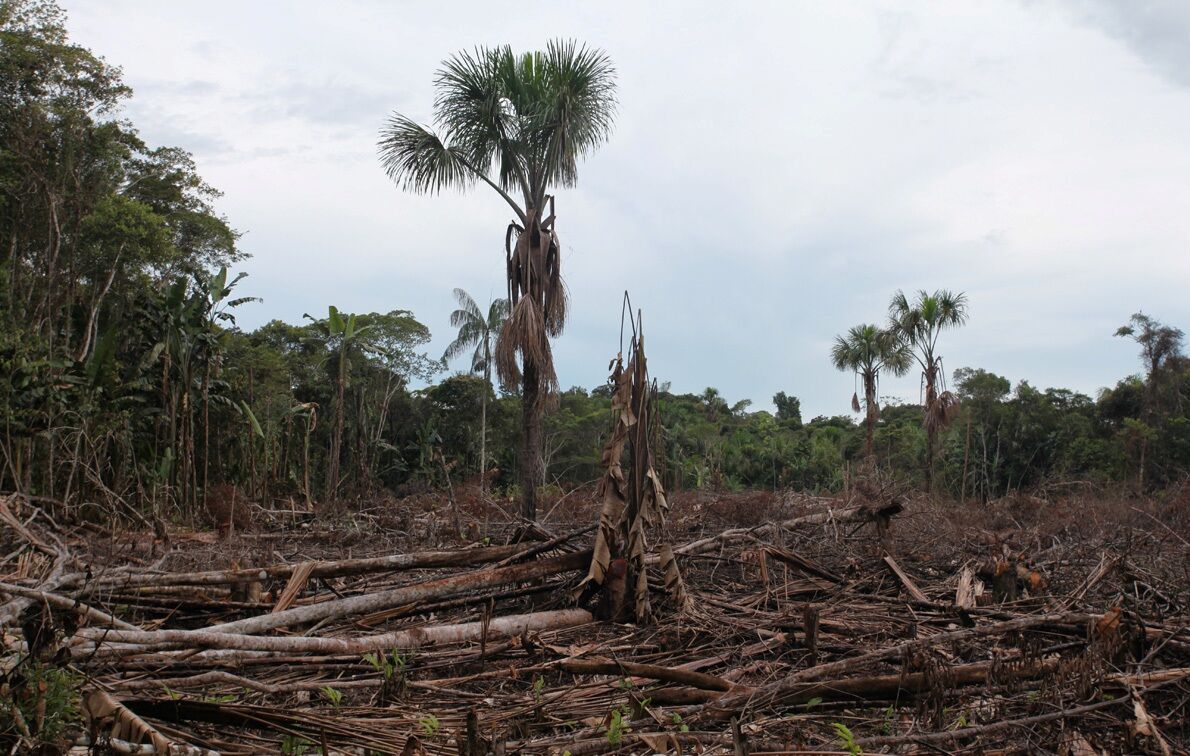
pixel 468 311
pixel 524 336
pixel 472 105
pixel 497 313
pixel 578 111
pixel 418 160
pixel 467 337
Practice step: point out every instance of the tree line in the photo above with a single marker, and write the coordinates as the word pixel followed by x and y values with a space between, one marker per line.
pixel 126 382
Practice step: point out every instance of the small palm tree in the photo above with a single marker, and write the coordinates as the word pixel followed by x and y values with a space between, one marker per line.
pixel 476 330
pixel 868 350
pixel 920 323
pixel 341 336
pixel 519 124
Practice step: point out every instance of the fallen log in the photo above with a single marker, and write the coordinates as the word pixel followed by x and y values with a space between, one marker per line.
pixel 861 514
pixel 412 561
pixel 780 690
pixel 415 637
pixel 649 671
pixel 910 587
pixel 947 736
pixel 432 589
pixel 878 687
pixel 64 602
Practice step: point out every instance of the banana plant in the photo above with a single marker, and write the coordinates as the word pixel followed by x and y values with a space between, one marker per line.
pixel 342 336
pixel 196 313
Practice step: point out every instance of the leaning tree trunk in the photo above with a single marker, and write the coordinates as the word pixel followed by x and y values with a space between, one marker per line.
pixel 532 464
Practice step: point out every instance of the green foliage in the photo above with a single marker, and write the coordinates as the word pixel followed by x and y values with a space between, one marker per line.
pixel 37 687
pixel 846 738
pixel 617 727
pixel 388 666
pixel 333 695
pixel 429 725
pixel 295 745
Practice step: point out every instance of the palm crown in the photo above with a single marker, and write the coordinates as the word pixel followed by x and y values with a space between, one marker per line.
pixel 475 330
pixel 923 320
pixel 519 123
pixel 868 350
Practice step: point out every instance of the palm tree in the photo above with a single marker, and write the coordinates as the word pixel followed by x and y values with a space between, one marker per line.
pixel 867 350
pixel 519 124
pixel 477 331
pixel 920 323
pixel 341 336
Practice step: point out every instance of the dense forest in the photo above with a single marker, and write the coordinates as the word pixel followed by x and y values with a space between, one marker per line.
pixel 126 383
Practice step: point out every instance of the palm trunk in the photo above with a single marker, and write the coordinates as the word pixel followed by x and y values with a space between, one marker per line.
pixel 306 461
pixel 532 465
pixel 483 412
pixel 332 474
pixel 931 425
pixel 206 430
pixel 966 455
pixel 483 437
pixel 870 419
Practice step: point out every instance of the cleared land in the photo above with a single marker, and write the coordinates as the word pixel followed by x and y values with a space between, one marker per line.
pixel 1023 625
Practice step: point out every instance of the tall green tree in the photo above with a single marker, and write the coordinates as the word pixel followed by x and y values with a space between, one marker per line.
pixel 477 331
pixel 789 408
pixel 518 123
pixel 920 323
pixel 1159 345
pixel 868 350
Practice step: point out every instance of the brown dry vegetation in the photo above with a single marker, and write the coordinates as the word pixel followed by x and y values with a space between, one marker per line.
pixel 1098 657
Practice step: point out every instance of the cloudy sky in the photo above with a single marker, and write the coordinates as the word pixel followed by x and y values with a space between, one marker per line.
pixel 777 171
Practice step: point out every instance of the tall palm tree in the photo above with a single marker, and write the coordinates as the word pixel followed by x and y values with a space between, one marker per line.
pixel 476 330
pixel 920 323
pixel 519 124
pixel 867 350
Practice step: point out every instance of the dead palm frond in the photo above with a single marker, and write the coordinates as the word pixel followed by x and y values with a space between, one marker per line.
pixel 634 501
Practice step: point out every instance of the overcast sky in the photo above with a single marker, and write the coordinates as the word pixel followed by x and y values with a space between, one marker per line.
pixel 777 171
